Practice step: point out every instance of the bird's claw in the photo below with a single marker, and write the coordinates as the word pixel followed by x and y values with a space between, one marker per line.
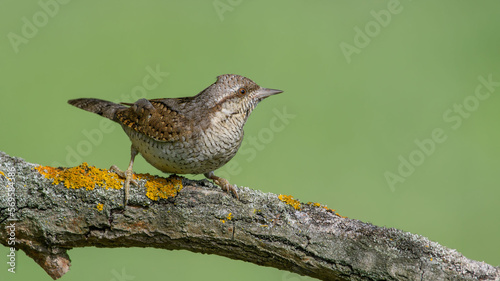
pixel 124 175
pixel 224 184
pixel 128 176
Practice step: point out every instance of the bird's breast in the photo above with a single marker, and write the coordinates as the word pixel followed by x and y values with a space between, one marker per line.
pixel 205 151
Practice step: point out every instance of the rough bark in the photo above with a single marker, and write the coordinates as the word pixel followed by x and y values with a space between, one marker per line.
pixel 261 229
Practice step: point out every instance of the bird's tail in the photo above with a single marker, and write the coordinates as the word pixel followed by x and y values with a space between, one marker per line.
pixel 104 108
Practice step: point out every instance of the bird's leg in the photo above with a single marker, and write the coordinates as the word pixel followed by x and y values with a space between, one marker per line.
pixel 128 174
pixel 223 183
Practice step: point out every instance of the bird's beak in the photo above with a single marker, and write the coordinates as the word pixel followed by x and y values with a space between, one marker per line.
pixel 263 93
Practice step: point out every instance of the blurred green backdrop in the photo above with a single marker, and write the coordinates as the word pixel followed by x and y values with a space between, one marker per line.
pixel 365 83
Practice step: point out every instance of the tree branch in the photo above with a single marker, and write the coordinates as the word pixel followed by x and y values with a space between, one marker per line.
pixel 261 228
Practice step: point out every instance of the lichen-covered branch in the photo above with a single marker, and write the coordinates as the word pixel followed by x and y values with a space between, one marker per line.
pixel 47 211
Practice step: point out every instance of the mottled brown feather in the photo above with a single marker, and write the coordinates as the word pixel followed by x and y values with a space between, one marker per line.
pixel 156 120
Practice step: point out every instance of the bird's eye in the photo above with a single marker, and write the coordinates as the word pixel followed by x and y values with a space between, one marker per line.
pixel 242 91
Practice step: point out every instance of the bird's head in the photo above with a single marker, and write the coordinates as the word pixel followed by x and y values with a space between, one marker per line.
pixel 235 95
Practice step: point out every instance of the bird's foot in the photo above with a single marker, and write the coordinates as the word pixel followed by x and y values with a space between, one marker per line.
pixel 223 183
pixel 128 176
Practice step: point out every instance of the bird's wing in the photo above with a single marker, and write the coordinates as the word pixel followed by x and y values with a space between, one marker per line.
pixel 155 119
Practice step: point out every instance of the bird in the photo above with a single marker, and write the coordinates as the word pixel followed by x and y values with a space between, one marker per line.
pixel 188 135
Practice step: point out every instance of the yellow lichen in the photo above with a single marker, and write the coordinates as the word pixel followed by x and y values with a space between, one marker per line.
pixel 89 176
pixel 99 207
pixel 328 209
pixel 288 199
pixel 83 176
pixel 223 221
pixel 230 216
pixel 1 173
pixel 324 207
pixel 157 187
pixel 314 204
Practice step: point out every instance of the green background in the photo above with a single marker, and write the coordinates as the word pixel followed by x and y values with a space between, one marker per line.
pixel 353 115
